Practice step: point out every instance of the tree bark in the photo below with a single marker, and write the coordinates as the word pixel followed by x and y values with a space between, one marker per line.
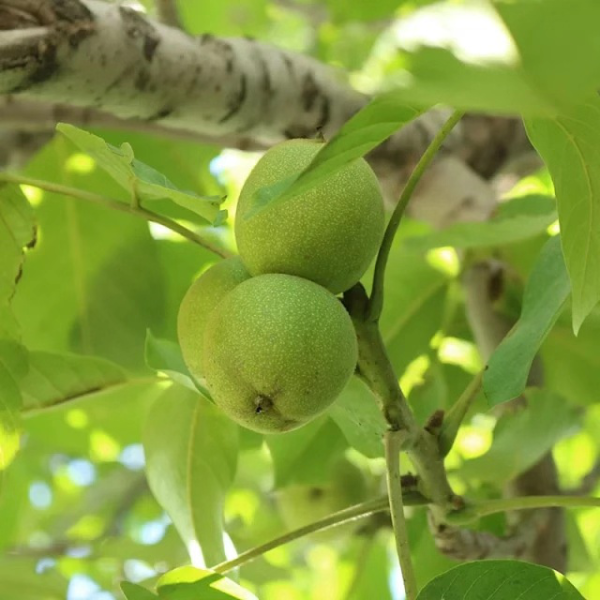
pixel 92 62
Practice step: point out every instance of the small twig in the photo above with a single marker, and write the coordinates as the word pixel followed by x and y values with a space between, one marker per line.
pixel 456 415
pixel 376 301
pixel 490 507
pixel 393 444
pixel 343 516
pixel 116 205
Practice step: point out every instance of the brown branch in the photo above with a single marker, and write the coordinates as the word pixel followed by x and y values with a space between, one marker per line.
pixel 483 285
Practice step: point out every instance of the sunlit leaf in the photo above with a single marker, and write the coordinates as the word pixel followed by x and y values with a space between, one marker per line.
pixel 188 583
pixel 516 220
pixel 13 363
pixel 294 452
pixel 572 363
pixel 500 580
pixel 165 356
pixel 136 592
pixel 503 57
pixel 54 379
pixel 521 438
pixel 143 181
pixel 17 230
pixel 570 146
pixel 545 294
pixel 191 456
pixel 356 413
pixel 413 310
pixel 93 283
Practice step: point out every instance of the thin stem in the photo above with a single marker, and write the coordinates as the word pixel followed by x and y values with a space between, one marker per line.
pixel 457 413
pixel 348 514
pixel 491 507
pixel 116 205
pixel 342 516
pixel 393 444
pixel 376 302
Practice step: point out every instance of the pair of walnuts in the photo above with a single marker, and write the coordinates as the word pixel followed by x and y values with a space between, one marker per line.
pixel 265 330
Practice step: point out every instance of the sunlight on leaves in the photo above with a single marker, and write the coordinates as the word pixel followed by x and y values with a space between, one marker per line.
pixel 545 295
pixel 569 146
pixel 189 583
pixel 136 177
pixel 533 429
pixel 191 457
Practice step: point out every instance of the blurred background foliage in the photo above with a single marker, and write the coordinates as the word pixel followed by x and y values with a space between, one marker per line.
pixel 77 515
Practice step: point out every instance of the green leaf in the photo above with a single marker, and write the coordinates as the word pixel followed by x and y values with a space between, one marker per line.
pixel 544 297
pixel 356 413
pixel 139 179
pixel 96 270
pixel 13 363
pixel 55 378
pixel 521 438
pixel 191 455
pixel 517 220
pixel 136 592
pixel 17 230
pixel 305 455
pixel 572 364
pixel 415 304
pixel 189 583
pixel 500 580
pixel 366 129
pixel 569 146
pixel 495 57
pixel 558 66
pixel 165 356
pixel 21 579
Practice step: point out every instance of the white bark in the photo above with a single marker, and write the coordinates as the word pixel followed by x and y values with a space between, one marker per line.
pixel 94 54
pixel 95 63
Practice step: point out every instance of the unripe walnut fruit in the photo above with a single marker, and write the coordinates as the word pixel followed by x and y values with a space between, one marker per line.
pixel 301 504
pixel 197 304
pixel 278 350
pixel 329 234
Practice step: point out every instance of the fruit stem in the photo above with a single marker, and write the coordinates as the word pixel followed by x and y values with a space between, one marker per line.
pixel 394 441
pixel 138 211
pixel 376 302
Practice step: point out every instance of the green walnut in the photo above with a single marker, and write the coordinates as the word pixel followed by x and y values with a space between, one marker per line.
pixel 277 352
pixel 329 234
pixel 300 504
pixel 199 301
